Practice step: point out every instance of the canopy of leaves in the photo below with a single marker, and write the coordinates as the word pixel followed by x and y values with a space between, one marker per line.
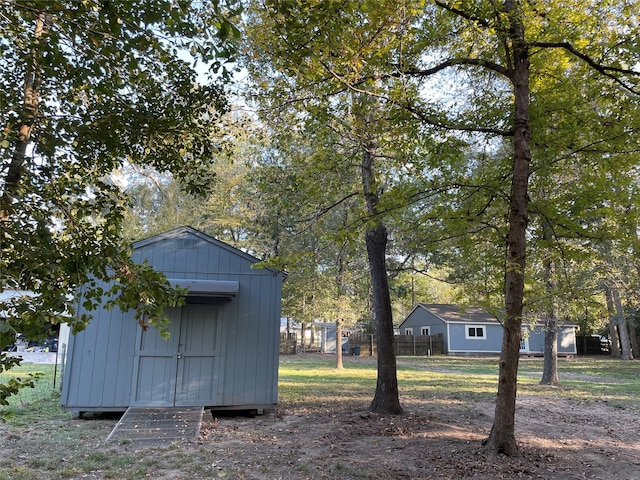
pixel 87 86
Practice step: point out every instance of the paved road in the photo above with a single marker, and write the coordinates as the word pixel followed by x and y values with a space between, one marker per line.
pixel 36 357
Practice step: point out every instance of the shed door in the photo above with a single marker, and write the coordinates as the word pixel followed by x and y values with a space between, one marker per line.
pixel 182 370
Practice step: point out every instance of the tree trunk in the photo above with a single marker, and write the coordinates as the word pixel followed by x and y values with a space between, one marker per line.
pixel 633 338
pixel 341 284
pixel 613 328
pixel 386 398
pixel 30 100
pixel 502 437
pixel 339 365
pixel 550 367
pixel 633 334
pixel 623 328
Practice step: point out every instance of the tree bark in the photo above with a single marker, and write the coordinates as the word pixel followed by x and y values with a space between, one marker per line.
pixel 15 170
pixel 633 335
pixel 633 338
pixel 339 365
pixel 341 284
pixel 623 329
pixel 613 327
pixel 502 436
pixel 386 399
pixel 550 367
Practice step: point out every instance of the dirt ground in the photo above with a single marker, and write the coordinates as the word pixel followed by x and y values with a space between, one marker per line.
pixel 558 440
pixel 434 439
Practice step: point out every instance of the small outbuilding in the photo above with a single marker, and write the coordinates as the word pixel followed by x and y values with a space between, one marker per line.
pixel 224 342
pixel 475 331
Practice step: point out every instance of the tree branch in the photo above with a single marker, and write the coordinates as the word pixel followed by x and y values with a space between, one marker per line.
pixel 462 13
pixel 460 128
pixel 459 61
pixel 607 71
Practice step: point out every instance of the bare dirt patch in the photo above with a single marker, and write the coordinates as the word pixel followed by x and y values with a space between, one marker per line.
pixel 558 440
pixel 434 439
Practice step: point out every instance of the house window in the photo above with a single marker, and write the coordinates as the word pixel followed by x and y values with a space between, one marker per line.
pixel 408 331
pixel 475 332
pixel 425 331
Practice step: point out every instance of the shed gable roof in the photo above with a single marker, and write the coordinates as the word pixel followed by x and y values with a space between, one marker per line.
pixel 183 233
pixel 455 314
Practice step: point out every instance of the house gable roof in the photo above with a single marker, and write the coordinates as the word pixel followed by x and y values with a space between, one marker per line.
pixel 455 314
pixel 450 313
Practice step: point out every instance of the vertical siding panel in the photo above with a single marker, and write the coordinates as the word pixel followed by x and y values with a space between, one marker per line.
pixel 190 264
pixel 231 329
pixel 124 361
pixel 274 354
pixel 224 267
pixel 176 257
pixel 260 342
pixel 87 365
pixel 100 390
pixel 202 267
pixel 253 368
pixel 70 396
pixel 269 339
pixel 213 259
pixel 241 365
pixel 261 385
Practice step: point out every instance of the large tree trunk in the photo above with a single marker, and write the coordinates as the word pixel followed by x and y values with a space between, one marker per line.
pixel 623 329
pixel 613 327
pixel 15 170
pixel 386 398
pixel 502 436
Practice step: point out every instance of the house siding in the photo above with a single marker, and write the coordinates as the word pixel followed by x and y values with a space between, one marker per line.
pixel 458 343
pixel 453 322
pixel 418 318
pixel 453 332
pixel 566 340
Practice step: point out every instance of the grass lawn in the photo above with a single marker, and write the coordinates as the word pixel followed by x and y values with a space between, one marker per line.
pixel 40 440
pixel 315 380
pixel 44 387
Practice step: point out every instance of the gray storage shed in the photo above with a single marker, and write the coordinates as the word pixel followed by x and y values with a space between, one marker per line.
pixel 224 344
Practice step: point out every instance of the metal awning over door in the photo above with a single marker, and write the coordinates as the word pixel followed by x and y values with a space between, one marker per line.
pixel 182 370
pixel 207 291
